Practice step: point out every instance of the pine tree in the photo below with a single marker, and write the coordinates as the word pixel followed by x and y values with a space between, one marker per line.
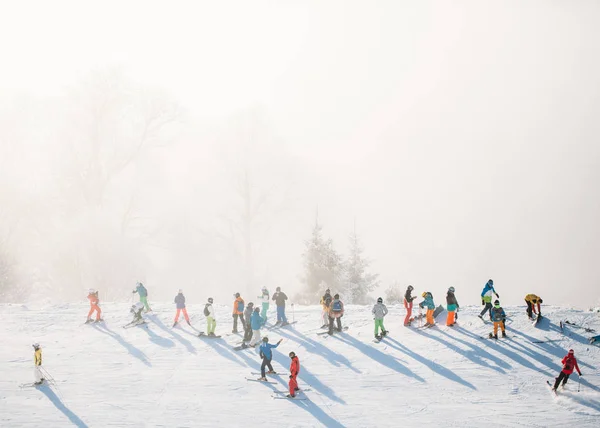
pixel 358 282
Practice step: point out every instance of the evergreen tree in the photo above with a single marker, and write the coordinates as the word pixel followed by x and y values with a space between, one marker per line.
pixel 358 282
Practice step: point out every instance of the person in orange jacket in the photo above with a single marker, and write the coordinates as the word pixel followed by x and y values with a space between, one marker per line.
pixel 94 300
pixel 294 370
pixel 238 311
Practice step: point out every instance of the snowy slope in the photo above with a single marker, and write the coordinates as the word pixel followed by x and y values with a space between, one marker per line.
pixel 158 376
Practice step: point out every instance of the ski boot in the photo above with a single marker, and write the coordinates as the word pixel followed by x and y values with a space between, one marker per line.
pixel 262 379
pixel 188 322
pixel 378 337
pixel 480 316
pixel 384 333
pixel 503 334
pixel 211 334
pixel 271 372
pixel 99 320
pixel 284 323
pixel 174 324
pixel 89 320
pixel 290 396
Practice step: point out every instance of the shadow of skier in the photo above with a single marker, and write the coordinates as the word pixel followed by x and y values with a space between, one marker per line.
pixel 132 350
pixel 173 333
pixel 47 391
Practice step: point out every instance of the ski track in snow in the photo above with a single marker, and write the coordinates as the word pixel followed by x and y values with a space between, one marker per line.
pixel 155 375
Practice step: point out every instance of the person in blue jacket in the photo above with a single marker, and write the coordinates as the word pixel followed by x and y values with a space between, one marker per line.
pixel 267 355
pixel 141 290
pixel 428 301
pixel 486 298
pixel 499 318
pixel 256 323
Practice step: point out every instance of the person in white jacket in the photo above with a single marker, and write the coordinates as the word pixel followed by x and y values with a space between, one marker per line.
pixel 265 298
pixel 379 311
pixel 211 322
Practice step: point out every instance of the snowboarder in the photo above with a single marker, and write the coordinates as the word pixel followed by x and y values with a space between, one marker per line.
pixel 238 312
pixel 267 355
pixel 94 301
pixel 255 324
pixel 294 370
pixel 486 298
pixel 180 302
pixel 428 301
pixel 408 304
pixel 452 307
pixel 325 302
pixel 37 361
pixel 247 322
pixel 136 310
pixel 336 312
pixel 141 290
pixel 209 313
pixel 380 311
pixel 265 298
pixel 569 363
pixel 531 300
pixel 280 299
pixel 498 318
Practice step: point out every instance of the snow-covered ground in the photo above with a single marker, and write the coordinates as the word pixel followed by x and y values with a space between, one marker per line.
pixel 159 376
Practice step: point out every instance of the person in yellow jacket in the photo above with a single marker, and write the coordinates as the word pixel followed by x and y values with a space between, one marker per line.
pixel 37 361
pixel 531 300
pixel 325 302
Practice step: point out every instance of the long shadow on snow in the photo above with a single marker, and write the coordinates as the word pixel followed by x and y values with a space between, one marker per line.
pixel 383 359
pixel 306 377
pixel 181 340
pixel 240 357
pixel 479 352
pixel 47 391
pixel 317 348
pixel 447 373
pixel 587 402
pixel 137 353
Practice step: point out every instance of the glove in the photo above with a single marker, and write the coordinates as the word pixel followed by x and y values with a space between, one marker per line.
pixel 497 296
pixel 482 302
pixel 580 374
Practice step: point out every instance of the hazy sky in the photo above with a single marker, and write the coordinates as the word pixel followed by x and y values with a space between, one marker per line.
pixel 461 136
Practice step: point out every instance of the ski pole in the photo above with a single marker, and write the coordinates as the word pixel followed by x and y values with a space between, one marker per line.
pixel 293 315
pixel 579 386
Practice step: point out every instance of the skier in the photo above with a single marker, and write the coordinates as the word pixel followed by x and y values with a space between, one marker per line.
pixel 265 297
pixel 452 307
pixel 209 313
pixel 180 302
pixel 238 312
pixel 325 302
pixel 498 317
pixel 531 300
pixel 569 363
pixel 37 361
pixel 255 324
pixel 380 311
pixel 294 370
pixel 408 304
pixel 428 301
pixel 486 298
pixel 280 299
pixel 93 298
pixel 267 355
pixel 136 310
pixel 247 323
pixel 336 312
pixel 141 290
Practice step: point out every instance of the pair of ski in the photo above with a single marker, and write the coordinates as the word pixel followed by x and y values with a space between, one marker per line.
pixel 134 323
pixel 335 330
pixel 206 336
pixel 570 324
pixel 239 348
pixel 278 326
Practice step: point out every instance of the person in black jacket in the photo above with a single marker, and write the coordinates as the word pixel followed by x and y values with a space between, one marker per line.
pixel 408 304
pixel 452 307
pixel 280 299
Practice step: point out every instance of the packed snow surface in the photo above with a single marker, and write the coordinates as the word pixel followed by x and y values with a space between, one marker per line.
pixel 156 375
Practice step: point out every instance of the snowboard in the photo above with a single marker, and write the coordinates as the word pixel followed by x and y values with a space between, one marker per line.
pixel 321 333
pixel 206 336
pixel 261 381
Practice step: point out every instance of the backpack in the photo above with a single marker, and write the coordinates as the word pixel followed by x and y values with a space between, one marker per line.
pixel 206 311
pixel 337 306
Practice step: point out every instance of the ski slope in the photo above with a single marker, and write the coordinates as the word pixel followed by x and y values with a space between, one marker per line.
pixel 159 376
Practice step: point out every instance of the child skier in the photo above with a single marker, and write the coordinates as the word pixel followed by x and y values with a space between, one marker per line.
pixel 136 310
pixel 336 312
pixel 452 307
pixel 180 302
pixel 325 302
pixel 255 324
pixel 247 323
pixel 94 301
pixel 280 299
pixel 498 318
pixel 532 300
pixel 209 313
pixel 569 363
pixel 486 298
pixel 294 370
pixel 141 290
pixel 267 355
pixel 380 311
pixel 37 361
pixel 265 299
pixel 238 312
pixel 428 301
pixel 408 304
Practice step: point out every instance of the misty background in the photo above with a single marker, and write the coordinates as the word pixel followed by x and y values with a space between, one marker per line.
pixel 195 145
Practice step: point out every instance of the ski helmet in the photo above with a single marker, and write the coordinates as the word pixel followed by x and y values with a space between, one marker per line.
pixel 180 291
pixel 139 284
pixel 411 288
pixel 424 294
pixel 496 302
pixel 292 354
pixel 571 352
pixel 265 339
pixel 250 304
pixel 491 281
pixel 257 309
pixel 540 300
pixel 36 345
pixel 337 296
pixel 237 294
pixel 328 291
pixel 451 289
pixel 379 300
pixel 210 300
pixel 278 289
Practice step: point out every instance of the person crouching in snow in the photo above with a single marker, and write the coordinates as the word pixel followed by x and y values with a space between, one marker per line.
pixel 180 302
pixel 94 301
pixel 380 311
pixel 498 318
pixel 569 363
pixel 37 361
pixel 452 307
pixel 532 300
pixel 428 301
pixel 136 310
pixel 255 324
pixel 267 355
pixel 294 370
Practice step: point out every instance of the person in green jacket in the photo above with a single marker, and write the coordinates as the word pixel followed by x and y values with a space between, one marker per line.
pixel 265 298
pixel 141 290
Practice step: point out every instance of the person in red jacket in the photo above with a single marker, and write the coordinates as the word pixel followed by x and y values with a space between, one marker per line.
pixel 569 363
pixel 94 300
pixel 294 370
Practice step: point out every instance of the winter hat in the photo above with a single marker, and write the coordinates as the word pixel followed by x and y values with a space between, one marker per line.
pixel 250 304
pixel 278 289
pixel 540 300
pixel 36 345
pixel 424 294
pixel 491 281
pixel 571 352
pixel 328 291
pixel 496 302
pixel 292 354
pixel 257 309
pixel 180 291
pixel 265 339
pixel 451 290
pixel 410 287
pixel 337 296
pixel 210 300
pixel 379 300
pixel 237 294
